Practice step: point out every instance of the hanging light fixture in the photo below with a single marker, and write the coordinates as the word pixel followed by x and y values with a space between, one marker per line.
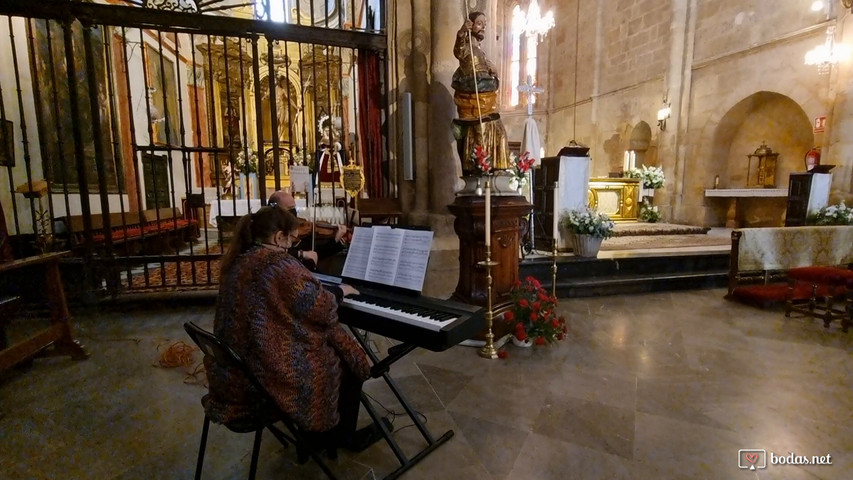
pixel 828 54
pixel 533 23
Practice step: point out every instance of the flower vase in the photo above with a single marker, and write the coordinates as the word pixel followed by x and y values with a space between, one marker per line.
pixel 586 245
pixel 648 192
pixel 521 343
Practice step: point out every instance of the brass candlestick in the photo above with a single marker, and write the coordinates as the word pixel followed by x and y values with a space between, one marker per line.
pixel 488 350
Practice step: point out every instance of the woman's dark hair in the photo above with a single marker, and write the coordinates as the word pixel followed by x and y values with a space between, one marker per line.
pixel 474 15
pixel 255 227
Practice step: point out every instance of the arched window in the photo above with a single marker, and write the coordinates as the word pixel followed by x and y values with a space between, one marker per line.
pixel 523 50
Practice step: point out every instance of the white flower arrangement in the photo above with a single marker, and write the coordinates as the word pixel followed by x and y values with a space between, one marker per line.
pixel 241 165
pixel 652 177
pixel 587 221
pixel 649 213
pixel 839 214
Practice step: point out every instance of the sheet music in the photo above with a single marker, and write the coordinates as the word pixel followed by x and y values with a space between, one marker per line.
pixel 358 255
pixel 414 257
pixel 390 256
pixel 384 254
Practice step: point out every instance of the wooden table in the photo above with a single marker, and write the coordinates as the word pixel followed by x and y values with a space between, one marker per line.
pixel 59 333
pixel 733 194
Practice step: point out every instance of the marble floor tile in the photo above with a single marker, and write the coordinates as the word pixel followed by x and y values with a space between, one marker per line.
pixel 663 385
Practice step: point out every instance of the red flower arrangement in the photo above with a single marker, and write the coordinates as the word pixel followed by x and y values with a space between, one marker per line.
pixel 523 164
pixel 482 159
pixel 533 313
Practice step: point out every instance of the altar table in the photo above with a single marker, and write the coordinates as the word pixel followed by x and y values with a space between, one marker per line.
pixel 733 194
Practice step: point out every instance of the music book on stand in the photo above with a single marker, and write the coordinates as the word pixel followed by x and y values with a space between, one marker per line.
pixel 397 257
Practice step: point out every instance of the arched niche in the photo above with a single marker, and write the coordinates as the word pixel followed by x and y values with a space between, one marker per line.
pixel 639 144
pixel 761 117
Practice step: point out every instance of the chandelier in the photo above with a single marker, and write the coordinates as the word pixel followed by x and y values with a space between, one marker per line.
pixel 533 23
pixel 828 54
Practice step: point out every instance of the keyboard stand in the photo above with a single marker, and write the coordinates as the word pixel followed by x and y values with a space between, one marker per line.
pixel 396 353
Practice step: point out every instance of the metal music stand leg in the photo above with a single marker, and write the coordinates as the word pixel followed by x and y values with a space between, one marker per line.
pixel 384 364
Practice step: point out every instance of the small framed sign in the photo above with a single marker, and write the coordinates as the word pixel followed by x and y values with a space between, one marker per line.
pixel 820 124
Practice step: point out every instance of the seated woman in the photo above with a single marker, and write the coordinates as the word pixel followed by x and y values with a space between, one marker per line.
pixel 284 325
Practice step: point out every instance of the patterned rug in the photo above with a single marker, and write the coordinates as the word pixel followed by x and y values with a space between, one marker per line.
pixel 659 241
pixel 194 274
pixel 626 229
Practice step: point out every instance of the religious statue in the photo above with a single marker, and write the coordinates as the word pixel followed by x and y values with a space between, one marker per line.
pixel 476 96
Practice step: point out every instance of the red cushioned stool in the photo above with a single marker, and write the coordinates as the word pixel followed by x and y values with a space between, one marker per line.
pixel 827 284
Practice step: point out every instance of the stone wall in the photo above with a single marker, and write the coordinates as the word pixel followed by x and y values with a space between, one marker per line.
pixel 707 57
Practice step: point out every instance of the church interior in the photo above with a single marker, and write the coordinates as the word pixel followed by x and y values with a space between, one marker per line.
pixel 134 134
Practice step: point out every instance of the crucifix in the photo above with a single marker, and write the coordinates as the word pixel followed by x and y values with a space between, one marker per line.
pixel 530 141
pixel 531 91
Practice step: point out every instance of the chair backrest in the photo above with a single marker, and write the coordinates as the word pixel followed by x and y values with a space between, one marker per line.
pixel 221 353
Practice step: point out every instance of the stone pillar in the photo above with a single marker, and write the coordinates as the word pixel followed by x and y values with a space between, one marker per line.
pixel 444 166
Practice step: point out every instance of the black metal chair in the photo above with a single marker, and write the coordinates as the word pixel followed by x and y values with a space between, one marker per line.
pixel 224 355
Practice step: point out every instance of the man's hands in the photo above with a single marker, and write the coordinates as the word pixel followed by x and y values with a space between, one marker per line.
pixel 310 255
pixel 466 27
pixel 339 235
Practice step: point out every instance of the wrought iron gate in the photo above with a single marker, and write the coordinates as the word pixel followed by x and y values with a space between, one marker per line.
pixel 131 131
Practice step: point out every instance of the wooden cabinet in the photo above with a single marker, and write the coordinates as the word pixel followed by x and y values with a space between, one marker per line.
pixel 807 192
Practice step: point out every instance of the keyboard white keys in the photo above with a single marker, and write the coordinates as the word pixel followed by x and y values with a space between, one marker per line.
pixel 398 315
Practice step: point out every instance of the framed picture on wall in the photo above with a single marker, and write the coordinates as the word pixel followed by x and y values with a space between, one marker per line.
pixel 163 97
pixel 7 144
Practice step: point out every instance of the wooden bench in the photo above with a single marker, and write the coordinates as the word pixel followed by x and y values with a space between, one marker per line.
pixel 761 258
pixel 151 231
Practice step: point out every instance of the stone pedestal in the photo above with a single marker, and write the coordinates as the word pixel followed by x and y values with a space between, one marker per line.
pixel 470 226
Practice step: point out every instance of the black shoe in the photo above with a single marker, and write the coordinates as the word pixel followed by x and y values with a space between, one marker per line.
pixel 367 436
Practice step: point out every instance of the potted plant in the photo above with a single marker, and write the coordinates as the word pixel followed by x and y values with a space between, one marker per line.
pixel 533 315
pixel 649 213
pixel 588 229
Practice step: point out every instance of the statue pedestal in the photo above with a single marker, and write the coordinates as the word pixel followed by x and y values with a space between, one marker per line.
pixel 470 225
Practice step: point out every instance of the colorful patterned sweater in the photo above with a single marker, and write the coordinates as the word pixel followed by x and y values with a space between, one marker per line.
pixel 284 325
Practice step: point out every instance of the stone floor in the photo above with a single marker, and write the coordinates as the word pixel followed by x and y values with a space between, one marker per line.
pixel 665 385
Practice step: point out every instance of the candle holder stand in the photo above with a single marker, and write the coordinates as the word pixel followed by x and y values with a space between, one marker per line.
pixel 488 350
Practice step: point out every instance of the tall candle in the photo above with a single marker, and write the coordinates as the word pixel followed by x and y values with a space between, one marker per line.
pixel 625 160
pixel 488 213
pixel 556 213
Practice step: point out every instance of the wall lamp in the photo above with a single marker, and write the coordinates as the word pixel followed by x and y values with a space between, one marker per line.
pixel 663 114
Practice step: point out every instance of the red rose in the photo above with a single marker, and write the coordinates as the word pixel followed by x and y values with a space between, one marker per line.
pixel 519 327
pixel 520 335
pixel 502 354
pixel 559 336
pixel 536 306
pixel 517 283
pixel 555 323
pixel 540 340
pixel 533 317
pixel 509 316
pixel 523 303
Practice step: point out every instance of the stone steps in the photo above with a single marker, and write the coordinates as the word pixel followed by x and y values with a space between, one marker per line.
pixel 614 273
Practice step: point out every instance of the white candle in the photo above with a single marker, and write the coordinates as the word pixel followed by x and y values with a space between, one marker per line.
pixel 625 160
pixel 488 213
pixel 556 216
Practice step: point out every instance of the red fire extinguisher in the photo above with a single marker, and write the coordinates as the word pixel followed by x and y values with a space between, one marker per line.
pixel 812 158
